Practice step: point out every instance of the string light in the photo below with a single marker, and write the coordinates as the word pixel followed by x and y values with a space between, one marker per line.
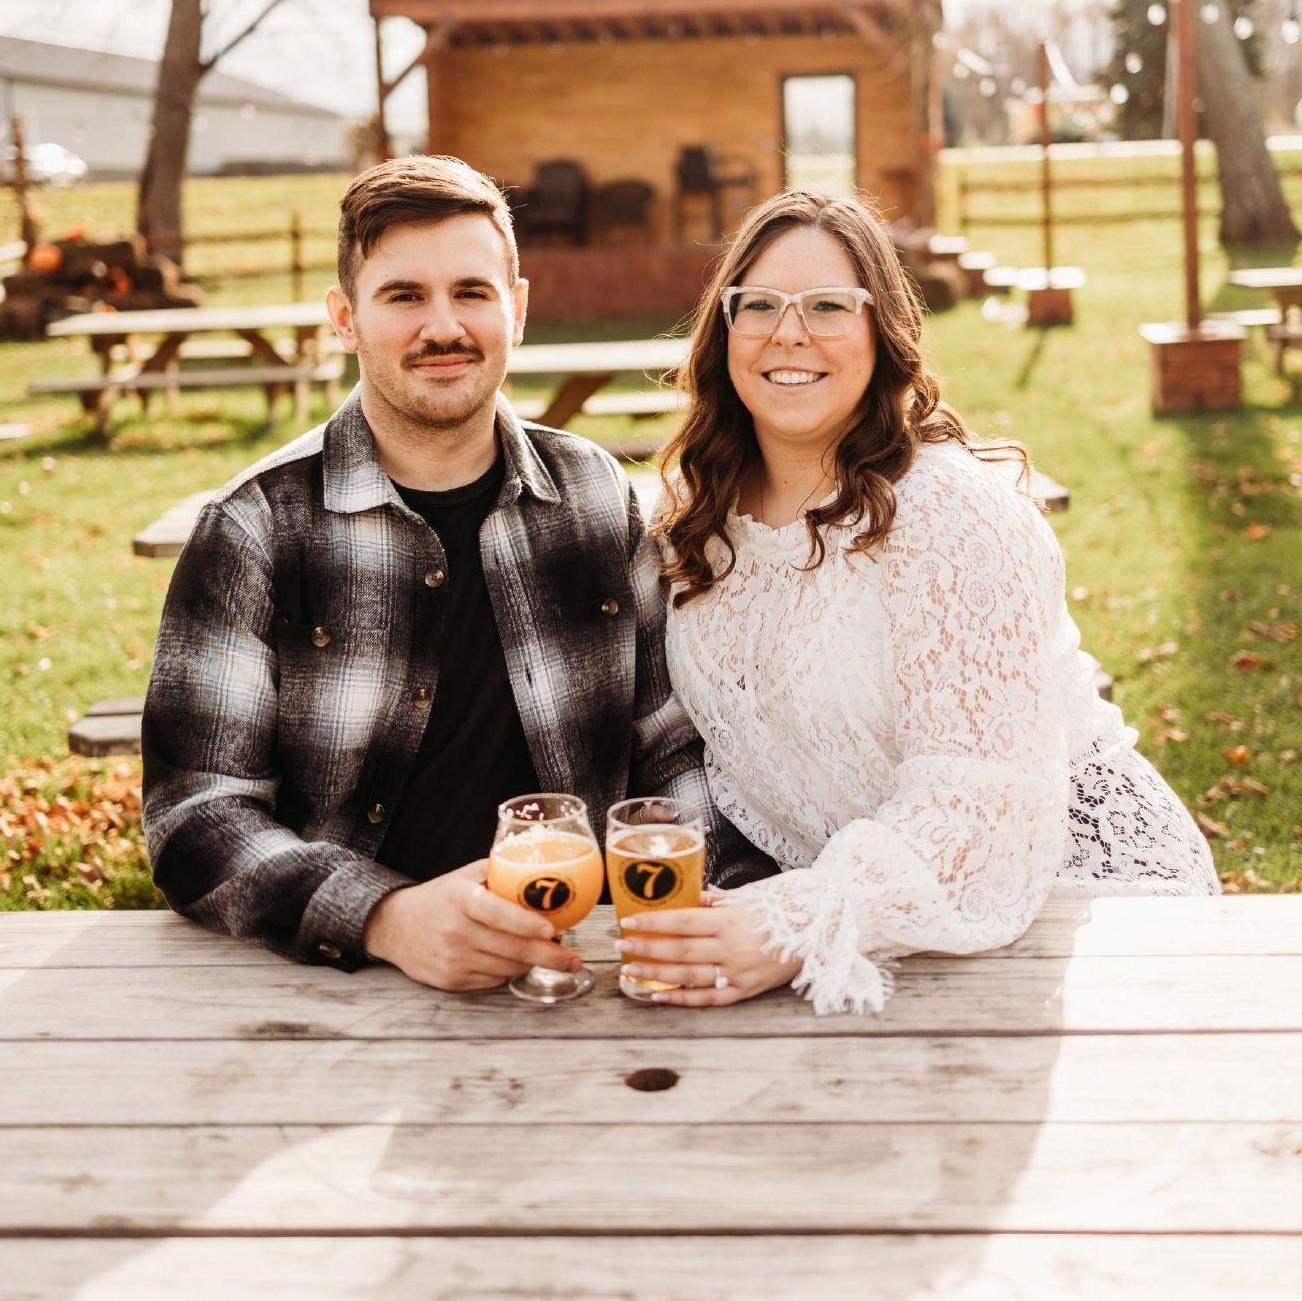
pixel 1157 15
pixel 1118 94
pixel 1243 27
pixel 1210 13
pixel 1134 63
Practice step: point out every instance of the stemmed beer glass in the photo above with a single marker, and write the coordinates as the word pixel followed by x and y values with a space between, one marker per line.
pixel 545 858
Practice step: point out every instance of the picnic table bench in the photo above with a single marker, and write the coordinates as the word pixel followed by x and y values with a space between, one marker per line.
pixel 275 364
pixel 1284 284
pixel 1109 1107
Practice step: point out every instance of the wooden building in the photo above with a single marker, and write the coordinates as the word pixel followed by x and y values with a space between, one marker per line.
pixel 668 117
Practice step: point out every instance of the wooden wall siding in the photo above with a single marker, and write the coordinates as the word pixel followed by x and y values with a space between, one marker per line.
pixel 624 109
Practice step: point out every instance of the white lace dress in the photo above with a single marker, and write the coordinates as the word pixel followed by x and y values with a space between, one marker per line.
pixel 915 735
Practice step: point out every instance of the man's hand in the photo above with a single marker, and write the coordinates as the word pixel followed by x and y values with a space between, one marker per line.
pixel 453 934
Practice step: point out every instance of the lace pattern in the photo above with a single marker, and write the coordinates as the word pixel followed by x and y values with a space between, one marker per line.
pixel 915 736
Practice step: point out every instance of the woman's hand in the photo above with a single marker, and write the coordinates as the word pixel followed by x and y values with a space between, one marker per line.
pixel 716 954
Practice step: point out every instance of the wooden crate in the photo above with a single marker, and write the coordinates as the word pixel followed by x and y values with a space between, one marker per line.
pixel 1195 370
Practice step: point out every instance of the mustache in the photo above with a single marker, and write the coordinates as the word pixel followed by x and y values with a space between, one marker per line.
pixel 431 351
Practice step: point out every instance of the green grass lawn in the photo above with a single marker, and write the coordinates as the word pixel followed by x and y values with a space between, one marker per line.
pixel 1182 538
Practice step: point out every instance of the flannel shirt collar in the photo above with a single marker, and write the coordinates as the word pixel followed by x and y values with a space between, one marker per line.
pixel 355 481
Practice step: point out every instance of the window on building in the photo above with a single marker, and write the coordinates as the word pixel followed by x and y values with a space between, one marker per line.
pixel 818 132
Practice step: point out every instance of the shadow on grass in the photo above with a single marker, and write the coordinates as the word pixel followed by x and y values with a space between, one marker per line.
pixel 1033 357
pixel 1236 675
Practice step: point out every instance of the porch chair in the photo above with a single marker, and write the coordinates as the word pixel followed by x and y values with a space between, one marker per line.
pixel 556 203
pixel 702 173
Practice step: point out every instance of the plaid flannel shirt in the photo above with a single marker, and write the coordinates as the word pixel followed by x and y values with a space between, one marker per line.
pixel 296 664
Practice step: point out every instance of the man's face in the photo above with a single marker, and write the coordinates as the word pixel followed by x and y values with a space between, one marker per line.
pixel 433 319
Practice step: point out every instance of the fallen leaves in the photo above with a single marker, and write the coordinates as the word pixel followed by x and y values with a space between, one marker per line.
pixel 1237 754
pixel 70 835
pixel 1247 661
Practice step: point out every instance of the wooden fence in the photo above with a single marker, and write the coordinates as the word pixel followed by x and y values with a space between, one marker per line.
pixel 967 187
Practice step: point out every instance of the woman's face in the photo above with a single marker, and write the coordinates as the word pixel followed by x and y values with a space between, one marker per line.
pixel 801 388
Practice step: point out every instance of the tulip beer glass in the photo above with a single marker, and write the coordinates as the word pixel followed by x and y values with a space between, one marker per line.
pixel 655 858
pixel 545 858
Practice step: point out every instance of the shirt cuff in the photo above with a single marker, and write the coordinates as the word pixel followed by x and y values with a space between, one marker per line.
pixel 333 922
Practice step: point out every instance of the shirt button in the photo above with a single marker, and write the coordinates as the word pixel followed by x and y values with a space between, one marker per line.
pixel 434 577
pixel 375 813
pixel 421 696
pixel 330 951
pixel 320 636
pixel 610 606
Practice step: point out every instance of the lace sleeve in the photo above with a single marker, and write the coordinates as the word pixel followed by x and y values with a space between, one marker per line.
pixel 963 853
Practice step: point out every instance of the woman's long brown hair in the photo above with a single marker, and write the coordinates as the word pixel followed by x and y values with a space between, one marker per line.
pixel 900 409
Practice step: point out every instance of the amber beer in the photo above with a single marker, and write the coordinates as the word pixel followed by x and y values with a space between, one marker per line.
pixel 555 873
pixel 655 858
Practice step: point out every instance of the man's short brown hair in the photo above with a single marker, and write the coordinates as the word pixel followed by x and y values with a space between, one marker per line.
pixel 414 191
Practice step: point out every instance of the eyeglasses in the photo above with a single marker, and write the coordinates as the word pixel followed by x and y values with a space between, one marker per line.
pixel 825 313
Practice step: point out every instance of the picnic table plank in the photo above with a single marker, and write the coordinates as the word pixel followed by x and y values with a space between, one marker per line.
pixel 904 1080
pixel 971 1267
pixel 852 1178
pixel 1214 925
pixel 934 996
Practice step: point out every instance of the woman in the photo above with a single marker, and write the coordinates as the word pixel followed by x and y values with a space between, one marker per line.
pixel 867 626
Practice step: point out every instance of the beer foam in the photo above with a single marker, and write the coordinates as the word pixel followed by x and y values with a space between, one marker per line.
pixel 531 846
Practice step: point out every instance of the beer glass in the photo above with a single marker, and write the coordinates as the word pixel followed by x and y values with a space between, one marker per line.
pixel 545 858
pixel 655 858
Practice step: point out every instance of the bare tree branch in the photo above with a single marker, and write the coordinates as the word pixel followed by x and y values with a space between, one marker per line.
pixel 207 64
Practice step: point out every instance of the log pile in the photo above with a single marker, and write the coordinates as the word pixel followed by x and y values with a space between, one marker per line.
pixel 73 275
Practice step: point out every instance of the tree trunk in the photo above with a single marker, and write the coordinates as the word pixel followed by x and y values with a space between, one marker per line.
pixel 158 204
pixel 1253 210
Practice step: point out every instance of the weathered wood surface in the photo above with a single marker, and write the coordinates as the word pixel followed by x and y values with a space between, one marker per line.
pixel 850 1178
pixel 1111 1107
pixel 916 1267
pixel 934 996
pixel 1223 926
pixel 905 1080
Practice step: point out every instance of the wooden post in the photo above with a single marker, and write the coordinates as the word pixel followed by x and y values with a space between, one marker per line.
pixel 296 255
pixel 962 202
pixel 1046 170
pixel 1048 295
pixel 29 229
pixel 1184 42
pixel 1195 362
pixel 382 146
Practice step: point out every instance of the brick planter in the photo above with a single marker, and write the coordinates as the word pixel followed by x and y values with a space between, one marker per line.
pixel 1195 370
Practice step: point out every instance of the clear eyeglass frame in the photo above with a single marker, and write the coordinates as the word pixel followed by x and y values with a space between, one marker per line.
pixel 820 327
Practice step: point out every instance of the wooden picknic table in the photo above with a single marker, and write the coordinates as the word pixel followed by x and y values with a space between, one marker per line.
pixel 155 342
pixel 1110 1107
pixel 1283 284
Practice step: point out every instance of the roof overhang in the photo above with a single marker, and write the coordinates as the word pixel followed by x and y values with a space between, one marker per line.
pixel 528 22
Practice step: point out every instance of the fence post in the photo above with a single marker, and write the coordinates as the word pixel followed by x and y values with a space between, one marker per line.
pixel 296 256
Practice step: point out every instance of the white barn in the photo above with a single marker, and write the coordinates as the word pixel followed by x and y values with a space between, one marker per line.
pixel 99 106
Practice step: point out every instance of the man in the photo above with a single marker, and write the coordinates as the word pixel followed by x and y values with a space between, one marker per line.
pixel 402 618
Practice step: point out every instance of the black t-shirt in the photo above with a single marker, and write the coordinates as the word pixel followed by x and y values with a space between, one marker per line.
pixel 473 754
